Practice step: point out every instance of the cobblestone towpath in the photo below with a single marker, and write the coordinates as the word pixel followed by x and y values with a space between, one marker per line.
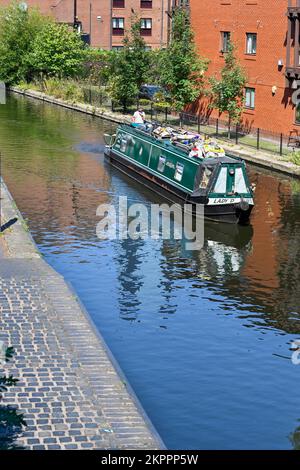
pixel 70 390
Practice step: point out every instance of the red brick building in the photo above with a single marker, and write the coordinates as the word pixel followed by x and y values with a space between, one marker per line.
pixel 105 22
pixel 266 33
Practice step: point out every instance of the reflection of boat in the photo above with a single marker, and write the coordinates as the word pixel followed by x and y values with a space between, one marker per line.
pixel 235 236
pixel 220 184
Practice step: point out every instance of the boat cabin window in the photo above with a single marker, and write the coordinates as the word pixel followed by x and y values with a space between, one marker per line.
pixel 221 184
pixel 161 163
pixel 239 182
pixel 123 144
pixel 205 178
pixel 179 171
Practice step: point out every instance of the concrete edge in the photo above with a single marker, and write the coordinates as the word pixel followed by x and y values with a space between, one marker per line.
pixel 18 234
pixel 83 108
pixel 267 161
pixel 21 236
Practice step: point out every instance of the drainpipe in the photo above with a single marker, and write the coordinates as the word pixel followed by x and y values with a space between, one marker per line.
pixel 75 12
pixel 162 23
pixel 90 23
pixel 110 25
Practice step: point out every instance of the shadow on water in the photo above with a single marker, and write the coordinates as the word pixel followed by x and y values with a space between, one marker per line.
pixel 87 147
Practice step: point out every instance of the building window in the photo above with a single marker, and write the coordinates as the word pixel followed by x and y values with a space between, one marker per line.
pixel 118 4
pixel 251 43
pixel 250 98
pixel 146 27
pixel 118 26
pixel 146 3
pixel 117 48
pixel 225 41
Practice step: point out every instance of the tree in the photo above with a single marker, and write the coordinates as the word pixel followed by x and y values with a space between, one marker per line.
pixel 97 65
pixel 130 66
pixel 57 51
pixel 181 68
pixel 18 29
pixel 228 93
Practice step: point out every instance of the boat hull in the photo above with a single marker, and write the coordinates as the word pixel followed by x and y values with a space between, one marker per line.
pixel 228 213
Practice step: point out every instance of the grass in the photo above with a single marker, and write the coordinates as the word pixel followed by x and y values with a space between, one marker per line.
pixel 294 157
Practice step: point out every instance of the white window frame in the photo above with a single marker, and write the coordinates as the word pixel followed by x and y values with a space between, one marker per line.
pixel 225 41
pixel 250 95
pixel 146 23
pixel 251 43
pixel 118 23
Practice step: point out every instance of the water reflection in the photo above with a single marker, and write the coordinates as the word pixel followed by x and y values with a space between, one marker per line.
pixel 161 308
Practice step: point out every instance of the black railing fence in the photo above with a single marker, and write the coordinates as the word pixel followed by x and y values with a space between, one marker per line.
pixel 260 139
pixel 257 138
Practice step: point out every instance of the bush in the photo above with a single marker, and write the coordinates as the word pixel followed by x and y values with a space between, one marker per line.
pixel 57 51
pixel 97 66
pixel 295 157
pixel 66 90
pixel 144 102
pixel 11 420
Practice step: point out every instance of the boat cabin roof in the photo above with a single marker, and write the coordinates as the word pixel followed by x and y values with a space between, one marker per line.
pixel 183 150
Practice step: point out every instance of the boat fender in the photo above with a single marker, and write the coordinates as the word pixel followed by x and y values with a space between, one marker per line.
pixel 244 205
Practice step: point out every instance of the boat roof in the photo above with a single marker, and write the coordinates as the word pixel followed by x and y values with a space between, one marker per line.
pixel 208 161
pixel 216 161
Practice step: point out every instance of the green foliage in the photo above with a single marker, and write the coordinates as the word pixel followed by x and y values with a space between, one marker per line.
pixel 18 30
pixel 294 157
pixel 6 382
pixel 67 90
pixel 9 353
pixel 228 93
pixel 155 64
pixel 181 69
pixel 11 421
pixel 97 65
pixel 130 67
pixel 144 102
pixel 57 51
pixel 122 90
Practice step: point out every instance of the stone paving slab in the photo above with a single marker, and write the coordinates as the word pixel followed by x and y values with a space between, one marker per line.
pixel 70 389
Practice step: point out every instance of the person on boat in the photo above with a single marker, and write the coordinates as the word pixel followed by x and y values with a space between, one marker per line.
pixel 139 118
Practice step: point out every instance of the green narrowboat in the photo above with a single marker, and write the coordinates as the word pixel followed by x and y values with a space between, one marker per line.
pixel 220 183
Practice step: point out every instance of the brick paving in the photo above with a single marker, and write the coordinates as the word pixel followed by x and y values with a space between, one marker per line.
pixel 70 390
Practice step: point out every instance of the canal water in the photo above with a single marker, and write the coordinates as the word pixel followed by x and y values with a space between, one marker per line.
pixel 204 337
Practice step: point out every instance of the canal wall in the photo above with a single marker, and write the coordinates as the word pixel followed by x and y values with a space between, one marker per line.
pixel 263 159
pixel 71 390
